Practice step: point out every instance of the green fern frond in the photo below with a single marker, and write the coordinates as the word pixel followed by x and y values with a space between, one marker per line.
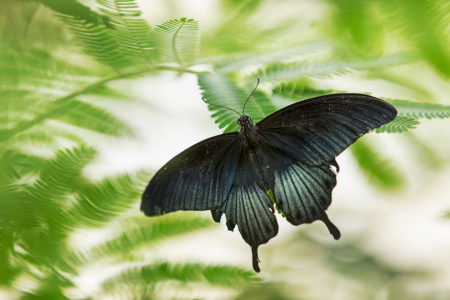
pixel 380 172
pixel 21 70
pixel 59 176
pixel 300 90
pixel 229 63
pixel 96 204
pixel 288 72
pixel 88 116
pixel 225 276
pixel 358 25
pixel 241 9
pixel 106 92
pixel 131 31
pixel 221 90
pixel 74 9
pixel 398 125
pixel 150 231
pixel 177 41
pixel 97 41
pixel 263 101
pixel 419 110
pixel 423 25
pixel 45 135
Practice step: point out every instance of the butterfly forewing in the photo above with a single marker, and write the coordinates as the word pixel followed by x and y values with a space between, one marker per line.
pixel 315 131
pixel 199 178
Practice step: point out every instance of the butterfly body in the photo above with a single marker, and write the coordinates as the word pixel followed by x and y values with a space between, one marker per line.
pixel 289 154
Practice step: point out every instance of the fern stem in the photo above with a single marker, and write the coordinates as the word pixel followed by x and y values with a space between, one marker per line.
pixel 174 48
pixel 24 125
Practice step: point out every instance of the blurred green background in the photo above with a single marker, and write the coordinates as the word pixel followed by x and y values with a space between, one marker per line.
pixel 95 96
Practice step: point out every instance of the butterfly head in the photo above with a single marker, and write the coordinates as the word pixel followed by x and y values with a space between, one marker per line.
pixel 245 121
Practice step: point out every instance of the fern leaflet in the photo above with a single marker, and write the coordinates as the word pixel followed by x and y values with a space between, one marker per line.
pixel 131 31
pixel 286 72
pixel 398 125
pixel 226 276
pixel 418 110
pixel 177 41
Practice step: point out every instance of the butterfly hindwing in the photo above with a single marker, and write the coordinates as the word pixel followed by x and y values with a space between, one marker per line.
pixel 315 131
pixel 303 192
pixel 199 178
pixel 249 207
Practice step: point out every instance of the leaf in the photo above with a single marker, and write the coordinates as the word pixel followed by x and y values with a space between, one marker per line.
pixel 58 180
pixel 131 31
pixel 6 166
pixel 225 276
pixel 398 125
pixel 59 175
pixel 96 204
pixel 44 135
pixel 74 9
pixel 150 231
pixel 300 90
pixel 109 93
pixel 88 116
pixel 422 24
pixel 221 90
pixel 241 8
pixel 420 110
pixel 98 42
pixel 380 172
pixel 358 25
pixel 176 41
pixel 53 110
pixel 286 72
pixel 234 62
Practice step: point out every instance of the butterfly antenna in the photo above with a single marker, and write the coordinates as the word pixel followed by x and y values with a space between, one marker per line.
pixel 243 109
pixel 221 106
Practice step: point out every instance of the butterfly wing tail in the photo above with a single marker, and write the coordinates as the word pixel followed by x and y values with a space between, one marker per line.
pixel 334 231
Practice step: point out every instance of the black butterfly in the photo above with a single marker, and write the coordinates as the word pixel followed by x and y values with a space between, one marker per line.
pixel 289 154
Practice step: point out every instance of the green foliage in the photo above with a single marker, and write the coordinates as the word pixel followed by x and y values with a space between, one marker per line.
pixel 97 41
pixel 422 23
pixel 233 62
pixel 380 172
pixel 147 232
pixel 74 9
pixel 99 203
pixel 130 31
pixel 398 125
pixel 226 276
pixel 299 90
pixel 48 78
pixel 358 25
pixel 221 90
pixel 177 41
pixel 88 116
pixel 326 69
pixel 420 110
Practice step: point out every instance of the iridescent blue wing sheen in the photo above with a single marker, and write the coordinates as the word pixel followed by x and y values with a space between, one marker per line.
pixel 316 130
pixel 303 192
pixel 198 178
